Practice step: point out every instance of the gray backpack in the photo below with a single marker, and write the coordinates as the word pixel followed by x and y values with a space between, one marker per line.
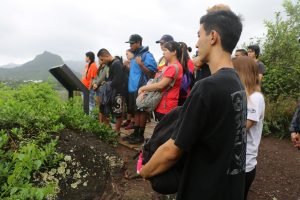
pixel 150 100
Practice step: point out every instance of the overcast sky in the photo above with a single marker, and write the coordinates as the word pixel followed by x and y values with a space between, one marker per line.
pixel 70 28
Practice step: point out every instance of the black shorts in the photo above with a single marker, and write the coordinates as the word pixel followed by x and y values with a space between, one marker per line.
pixel 118 105
pixel 115 107
pixel 132 103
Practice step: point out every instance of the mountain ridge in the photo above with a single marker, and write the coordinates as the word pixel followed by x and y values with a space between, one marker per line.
pixel 38 68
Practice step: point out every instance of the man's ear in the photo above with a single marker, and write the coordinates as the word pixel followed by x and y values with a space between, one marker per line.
pixel 214 37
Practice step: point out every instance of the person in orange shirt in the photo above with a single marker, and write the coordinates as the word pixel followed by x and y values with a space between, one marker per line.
pixel 90 73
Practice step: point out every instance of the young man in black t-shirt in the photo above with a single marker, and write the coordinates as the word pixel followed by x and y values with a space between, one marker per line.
pixel 254 52
pixel 211 130
pixel 116 78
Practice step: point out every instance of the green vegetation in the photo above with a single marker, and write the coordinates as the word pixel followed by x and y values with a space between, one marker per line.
pixel 31 117
pixel 281 55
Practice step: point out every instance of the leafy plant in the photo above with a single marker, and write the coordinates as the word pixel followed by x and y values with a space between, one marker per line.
pixel 30 117
pixel 278 115
pixel 281 53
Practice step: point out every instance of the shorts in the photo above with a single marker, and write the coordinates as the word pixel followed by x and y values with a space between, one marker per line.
pixel 117 106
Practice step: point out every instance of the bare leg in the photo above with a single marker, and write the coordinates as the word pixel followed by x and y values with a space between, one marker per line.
pixel 118 124
pixel 143 119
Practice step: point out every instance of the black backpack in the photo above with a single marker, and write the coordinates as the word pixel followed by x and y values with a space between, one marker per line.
pixel 167 182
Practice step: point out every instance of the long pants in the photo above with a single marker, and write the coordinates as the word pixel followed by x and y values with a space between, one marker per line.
pixel 249 179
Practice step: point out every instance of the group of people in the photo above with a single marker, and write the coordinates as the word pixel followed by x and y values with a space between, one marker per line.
pixel 221 119
pixel 117 84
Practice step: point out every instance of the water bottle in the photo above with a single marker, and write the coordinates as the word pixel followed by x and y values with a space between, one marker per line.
pixel 139 163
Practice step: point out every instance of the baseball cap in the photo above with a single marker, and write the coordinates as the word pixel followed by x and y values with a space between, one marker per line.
pixel 134 38
pixel 165 38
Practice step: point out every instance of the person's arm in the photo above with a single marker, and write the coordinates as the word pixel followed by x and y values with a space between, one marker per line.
pixel 163 83
pixel 261 70
pixel 93 73
pixel 145 70
pixel 117 74
pixel 249 124
pixel 295 137
pixel 162 160
pixel 294 128
pixel 197 62
pixel 254 110
pixel 261 76
pixel 127 65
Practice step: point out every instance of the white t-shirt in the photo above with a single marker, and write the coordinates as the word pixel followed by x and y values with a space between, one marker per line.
pixel 256 113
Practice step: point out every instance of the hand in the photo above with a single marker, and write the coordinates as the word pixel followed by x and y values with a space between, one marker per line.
pixel 295 137
pixel 100 63
pixel 143 172
pixel 138 60
pixel 141 90
pixel 95 86
pixel 197 62
pixel 126 63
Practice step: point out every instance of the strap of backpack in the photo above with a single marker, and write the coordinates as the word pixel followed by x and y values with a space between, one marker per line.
pixel 175 77
pixel 172 83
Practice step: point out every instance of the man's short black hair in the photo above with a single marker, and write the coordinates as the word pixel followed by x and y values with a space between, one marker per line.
pixel 227 24
pixel 103 52
pixel 255 48
pixel 243 52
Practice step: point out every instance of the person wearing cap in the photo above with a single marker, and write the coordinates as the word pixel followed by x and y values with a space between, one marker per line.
pixel 254 52
pixel 162 61
pixel 142 67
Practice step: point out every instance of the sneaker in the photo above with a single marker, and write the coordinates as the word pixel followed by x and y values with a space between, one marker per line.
pixel 129 126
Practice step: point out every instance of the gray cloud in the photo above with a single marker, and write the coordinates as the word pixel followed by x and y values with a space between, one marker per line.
pixel 71 28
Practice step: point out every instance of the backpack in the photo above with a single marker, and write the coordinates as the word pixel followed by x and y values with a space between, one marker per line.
pixel 148 101
pixel 187 83
pixel 167 182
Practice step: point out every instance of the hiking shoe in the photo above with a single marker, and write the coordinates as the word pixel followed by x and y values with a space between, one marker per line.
pixel 136 140
pixel 129 126
pixel 129 137
pixel 125 124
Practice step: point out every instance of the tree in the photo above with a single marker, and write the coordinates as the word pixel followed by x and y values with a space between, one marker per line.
pixel 281 53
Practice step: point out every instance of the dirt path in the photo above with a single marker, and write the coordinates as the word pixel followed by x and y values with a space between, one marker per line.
pixel 278 171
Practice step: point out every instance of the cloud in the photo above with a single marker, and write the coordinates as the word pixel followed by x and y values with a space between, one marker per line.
pixel 71 28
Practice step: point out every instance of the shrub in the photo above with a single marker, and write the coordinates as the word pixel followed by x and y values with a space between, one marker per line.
pixel 278 115
pixel 29 115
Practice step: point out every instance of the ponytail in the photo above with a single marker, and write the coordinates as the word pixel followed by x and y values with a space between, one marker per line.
pixel 184 57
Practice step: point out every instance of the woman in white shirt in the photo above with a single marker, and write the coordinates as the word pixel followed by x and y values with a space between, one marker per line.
pixel 248 72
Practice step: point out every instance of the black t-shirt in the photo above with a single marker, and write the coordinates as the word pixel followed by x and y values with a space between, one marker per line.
pixel 212 133
pixel 116 76
pixel 261 68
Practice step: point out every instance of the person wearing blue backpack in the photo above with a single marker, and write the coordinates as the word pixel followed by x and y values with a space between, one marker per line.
pixel 142 67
